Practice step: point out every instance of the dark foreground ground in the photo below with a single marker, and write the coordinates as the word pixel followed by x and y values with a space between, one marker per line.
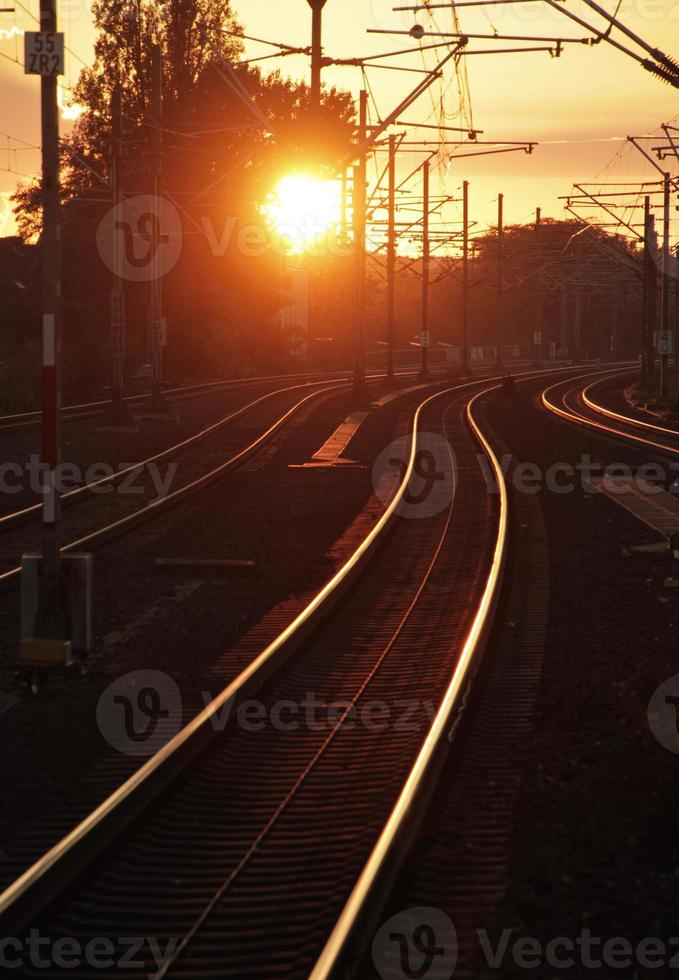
pixel 292 522
pixel 595 845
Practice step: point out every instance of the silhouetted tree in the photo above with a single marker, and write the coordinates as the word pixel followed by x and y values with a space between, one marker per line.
pixel 229 132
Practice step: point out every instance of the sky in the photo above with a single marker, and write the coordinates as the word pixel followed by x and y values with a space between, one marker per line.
pixel 580 107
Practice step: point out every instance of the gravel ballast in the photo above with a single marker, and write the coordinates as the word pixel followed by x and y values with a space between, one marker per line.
pixel 594 844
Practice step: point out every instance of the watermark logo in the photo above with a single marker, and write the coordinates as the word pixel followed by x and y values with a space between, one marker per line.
pixel 387 19
pixel 416 944
pixel 663 714
pixel 142 236
pixel 73 9
pixel 101 478
pixel 36 952
pixel 432 485
pixel 139 710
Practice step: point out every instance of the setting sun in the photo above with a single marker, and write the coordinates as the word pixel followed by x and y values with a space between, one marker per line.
pixel 304 209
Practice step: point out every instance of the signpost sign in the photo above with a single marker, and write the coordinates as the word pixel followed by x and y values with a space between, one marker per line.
pixel 44 53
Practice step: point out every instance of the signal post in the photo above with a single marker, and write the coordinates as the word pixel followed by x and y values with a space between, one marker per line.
pixel 55 592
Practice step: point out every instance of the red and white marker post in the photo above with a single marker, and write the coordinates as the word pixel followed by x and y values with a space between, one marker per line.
pixel 45 57
pixel 50 612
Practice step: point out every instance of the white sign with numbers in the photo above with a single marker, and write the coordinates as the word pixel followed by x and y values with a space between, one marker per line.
pixel 44 53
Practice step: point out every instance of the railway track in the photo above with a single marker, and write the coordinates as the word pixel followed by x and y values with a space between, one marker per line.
pixel 96 501
pixel 93 513
pixel 87 410
pixel 264 852
pixel 575 401
pixel 239 847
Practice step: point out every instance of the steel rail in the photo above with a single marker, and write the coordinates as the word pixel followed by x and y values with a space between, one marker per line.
pixel 339 955
pixel 620 416
pixel 56 868
pixel 107 533
pixel 579 419
pixel 409 809
pixel 87 410
pixel 46 878
pixel 386 647
pixel 72 413
pixel 19 516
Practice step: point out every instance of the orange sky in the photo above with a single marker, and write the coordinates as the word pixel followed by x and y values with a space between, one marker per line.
pixel 587 98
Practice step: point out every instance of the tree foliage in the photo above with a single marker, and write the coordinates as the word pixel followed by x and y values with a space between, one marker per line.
pixel 228 133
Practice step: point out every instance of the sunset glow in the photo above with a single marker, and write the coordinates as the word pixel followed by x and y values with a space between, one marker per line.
pixel 303 210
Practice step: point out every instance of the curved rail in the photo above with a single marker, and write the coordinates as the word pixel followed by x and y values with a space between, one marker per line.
pixel 620 416
pixel 412 800
pixel 40 883
pixel 19 516
pixel 71 413
pixel 104 534
pixel 579 418
pixel 47 877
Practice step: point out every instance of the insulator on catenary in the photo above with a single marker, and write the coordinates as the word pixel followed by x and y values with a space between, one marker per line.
pixel 671 77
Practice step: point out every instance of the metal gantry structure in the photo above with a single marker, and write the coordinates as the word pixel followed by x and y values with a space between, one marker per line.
pixel 621 203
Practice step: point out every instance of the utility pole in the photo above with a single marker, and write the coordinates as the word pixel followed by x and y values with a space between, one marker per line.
pixel 316 51
pixel 615 325
pixel 117 293
pixel 343 217
pixel 500 276
pixel 465 278
pixel 51 615
pixel 651 293
pixel 563 332
pixel 646 338
pixel 537 337
pixel 676 312
pixel 360 205
pixel 391 260
pixel 156 323
pixel 55 604
pixel 666 337
pixel 424 334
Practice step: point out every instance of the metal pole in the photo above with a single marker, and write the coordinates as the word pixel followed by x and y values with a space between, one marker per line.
pixel 424 335
pixel 360 195
pixel 651 274
pixel 465 277
pixel 563 338
pixel 50 615
pixel 664 280
pixel 156 301
pixel 646 343
pixel 676 313
pixel 613 349
pixel 675 284
pixel 391 259
pixel 343 219
pixel 316 50
pixel 117 293
pixel 500 275
pixel 537 339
